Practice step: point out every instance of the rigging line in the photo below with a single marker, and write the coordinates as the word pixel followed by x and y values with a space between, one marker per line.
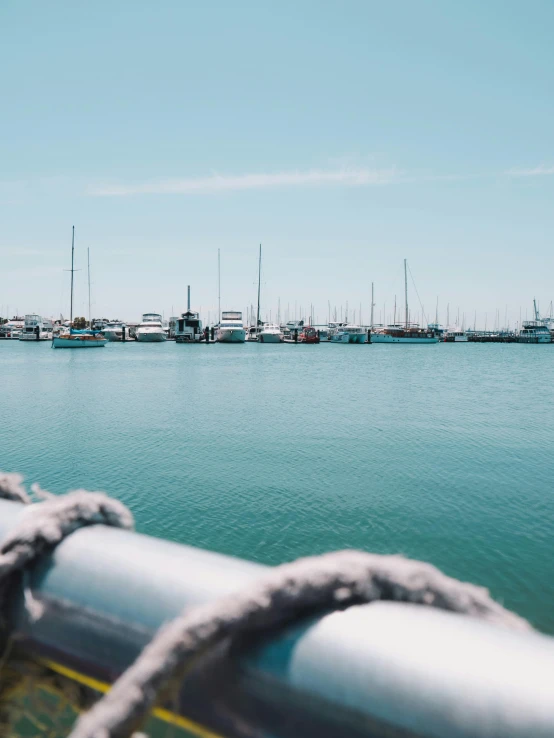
pixel 418 297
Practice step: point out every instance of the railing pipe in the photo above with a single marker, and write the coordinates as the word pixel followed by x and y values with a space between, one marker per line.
pixel 374 670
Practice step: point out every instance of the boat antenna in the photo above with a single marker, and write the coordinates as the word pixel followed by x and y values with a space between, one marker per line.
pixel 437 312
pixel 259 284
pixel 406 289
pixel 219 284
pixel 188 298
pixel 535 309
pixel 88 265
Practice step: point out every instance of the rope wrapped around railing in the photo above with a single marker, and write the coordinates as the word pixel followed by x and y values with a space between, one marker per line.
pixel 287 593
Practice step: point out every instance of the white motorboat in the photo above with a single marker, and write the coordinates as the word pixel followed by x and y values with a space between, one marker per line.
pixel 113 330
pixel 346 333
pixel 231 328
pixel 455 335
pixel 270 333
pixel 151 329
pixel 12 329
pixel 36 329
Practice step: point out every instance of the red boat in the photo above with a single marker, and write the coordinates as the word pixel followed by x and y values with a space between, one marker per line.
pixel 308 335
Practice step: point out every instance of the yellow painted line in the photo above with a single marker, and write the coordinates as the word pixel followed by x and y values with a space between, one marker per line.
pixel 159 712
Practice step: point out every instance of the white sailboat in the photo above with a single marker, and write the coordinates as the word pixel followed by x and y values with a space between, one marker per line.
pixel 73 338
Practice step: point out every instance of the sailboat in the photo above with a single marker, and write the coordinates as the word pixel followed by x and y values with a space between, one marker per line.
pixel 406 332
pixel 73 338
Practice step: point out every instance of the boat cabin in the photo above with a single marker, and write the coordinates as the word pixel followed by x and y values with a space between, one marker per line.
pixel 188 327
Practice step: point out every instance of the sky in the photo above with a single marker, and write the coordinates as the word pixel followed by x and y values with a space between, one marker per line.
pixel 342 136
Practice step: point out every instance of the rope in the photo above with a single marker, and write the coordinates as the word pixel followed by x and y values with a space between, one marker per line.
pixel 45 524
pixel 288 592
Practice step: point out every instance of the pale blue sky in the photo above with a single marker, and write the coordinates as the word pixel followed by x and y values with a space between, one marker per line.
pixel 343 136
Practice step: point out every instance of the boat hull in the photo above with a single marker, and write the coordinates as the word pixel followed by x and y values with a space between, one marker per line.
pixel 534 339
pixel 383 338
pixel 43 336
pixel 151 337
pixel 349 338
pixel 231 335
pixel 113 335
pixel 78 342
pixel 269 338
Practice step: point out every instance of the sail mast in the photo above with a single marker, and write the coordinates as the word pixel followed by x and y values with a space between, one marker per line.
pixel 406 290
pixel 88 265
pixel 219 285
pixel 372 306
pixel 72 270
pixel 259 284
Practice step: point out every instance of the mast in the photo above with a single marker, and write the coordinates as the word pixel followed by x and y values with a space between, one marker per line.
pixel 372 306
pixel 72 270
pixel 219 285
pixel 406 289
pixel 259 285
pixel 535 309
pixel 188 298
pixel 88 265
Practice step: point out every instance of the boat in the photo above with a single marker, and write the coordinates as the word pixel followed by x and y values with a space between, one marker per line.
pixel 535 331
pixel 74 338
pixel 114 330
pixel 71 337
pixel 36 329
pixel 151 329
pixel 410 333
pixel 347 333
pixel 12 329
pixel 231 328
pixel 292 329
pixel 309 335
pixel 270 333
pixel 438 329
pixel 188 328
pixel 406 332
pixel 455 335
pixel 252 333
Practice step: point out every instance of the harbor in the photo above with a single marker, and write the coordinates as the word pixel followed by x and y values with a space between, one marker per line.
pixel 231 328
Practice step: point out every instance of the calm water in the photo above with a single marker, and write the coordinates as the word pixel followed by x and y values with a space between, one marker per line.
pixel 443 452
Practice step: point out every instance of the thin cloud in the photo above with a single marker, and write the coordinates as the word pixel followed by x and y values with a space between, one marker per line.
pixel 539 171
pixel 227 183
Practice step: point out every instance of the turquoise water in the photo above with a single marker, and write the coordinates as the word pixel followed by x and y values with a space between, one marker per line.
pixel 443 453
